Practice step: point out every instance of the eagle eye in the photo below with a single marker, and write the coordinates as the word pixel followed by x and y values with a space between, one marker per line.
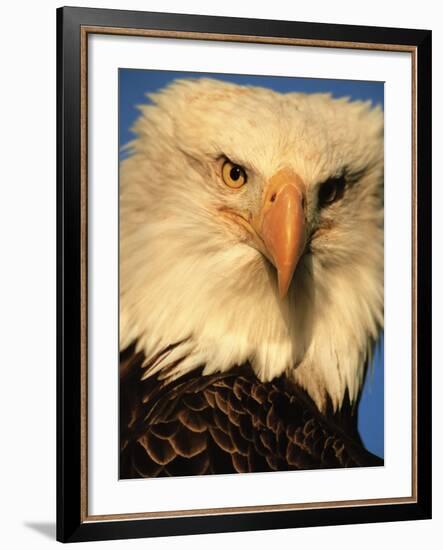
pixel 233 175
pixel 331 191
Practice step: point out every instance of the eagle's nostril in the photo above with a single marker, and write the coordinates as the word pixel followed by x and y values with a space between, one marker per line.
pixel 273 197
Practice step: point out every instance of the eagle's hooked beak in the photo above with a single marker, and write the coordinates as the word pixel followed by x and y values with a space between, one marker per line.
pixel 281 224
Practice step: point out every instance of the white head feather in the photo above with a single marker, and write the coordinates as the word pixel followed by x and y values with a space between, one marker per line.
pixel 188 272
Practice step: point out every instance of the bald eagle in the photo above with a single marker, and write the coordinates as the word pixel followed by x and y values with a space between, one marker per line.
pixel 251 280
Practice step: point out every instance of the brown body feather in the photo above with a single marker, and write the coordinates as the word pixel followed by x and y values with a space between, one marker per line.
pixel 228 423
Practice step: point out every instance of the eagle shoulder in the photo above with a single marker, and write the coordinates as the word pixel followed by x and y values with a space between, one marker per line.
pixel 227 423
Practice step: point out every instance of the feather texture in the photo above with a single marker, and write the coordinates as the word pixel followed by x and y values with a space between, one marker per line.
pixel 228 423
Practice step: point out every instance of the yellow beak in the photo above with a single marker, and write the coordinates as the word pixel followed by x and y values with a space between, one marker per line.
pixel 281 224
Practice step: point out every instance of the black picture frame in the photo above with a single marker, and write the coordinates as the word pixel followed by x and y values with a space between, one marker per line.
pixel 72 523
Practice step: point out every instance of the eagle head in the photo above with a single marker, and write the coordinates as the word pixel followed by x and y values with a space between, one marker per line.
pixel 251 230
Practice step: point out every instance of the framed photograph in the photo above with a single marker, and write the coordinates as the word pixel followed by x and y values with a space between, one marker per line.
pixel 244 242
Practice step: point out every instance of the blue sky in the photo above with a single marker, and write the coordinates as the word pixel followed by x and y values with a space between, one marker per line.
pixel 134 84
